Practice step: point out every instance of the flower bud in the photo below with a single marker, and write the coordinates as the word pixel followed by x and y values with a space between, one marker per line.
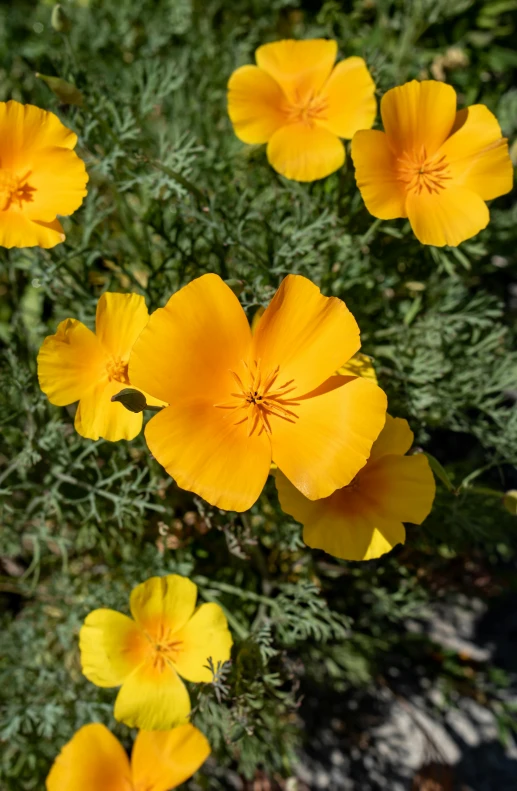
pixel 59 20
pixel 66 92
pixel 510 502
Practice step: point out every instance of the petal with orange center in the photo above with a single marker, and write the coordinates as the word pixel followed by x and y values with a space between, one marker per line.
pixel 189 347
pixel 98 416
pixel 120 320
pixel 395 438
pixel 349 95
pixel 112 646
pixel 205 636
pixel 419 115
pixel 153 698
pixel 17 230
pixel 400 487
pixel 207 450
pixel 162 605
pixel 330 439
pixel 70 363
pixel 93 759
pixel 57 182
pixel 303 152
pixel 300 67
pixel 376 175
pixel 446 217
pixel 477 154
pixel 162 760
pixel 305 333
pixel 256 104
pixel 25 128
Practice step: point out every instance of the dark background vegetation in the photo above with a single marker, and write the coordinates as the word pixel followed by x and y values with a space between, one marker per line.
pixel 320 645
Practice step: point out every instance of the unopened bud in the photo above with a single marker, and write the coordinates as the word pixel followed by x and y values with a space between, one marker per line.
pixel 133 400
pixel 66 92
pixel 59 20
pixel 510 502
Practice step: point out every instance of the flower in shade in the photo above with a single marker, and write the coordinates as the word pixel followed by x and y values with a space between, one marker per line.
pixel 41 176
pixel 76 364
pixel 239 400
pixel 94 760
pixel 147 656
pixel 300 104
pixel 364 520
pixel 432 164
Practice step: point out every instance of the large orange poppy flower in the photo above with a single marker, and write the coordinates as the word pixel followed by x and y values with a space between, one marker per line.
pixel 432 164
pixel 239 400
pixel 300 104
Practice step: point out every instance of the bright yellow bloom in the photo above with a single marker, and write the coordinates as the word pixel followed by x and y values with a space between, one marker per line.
pixel 168 638
pixel 94 760
pixel 40 176
pixel 76 364
pixel 300 104
pixel 239 400
pixel 364 519
pixel 432 164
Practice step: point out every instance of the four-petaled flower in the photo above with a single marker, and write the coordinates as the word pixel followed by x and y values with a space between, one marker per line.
pixel 432 164
pixel 300 104
pixel 168 638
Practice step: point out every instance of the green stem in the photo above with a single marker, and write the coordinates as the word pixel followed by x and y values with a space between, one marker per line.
pixel 370 232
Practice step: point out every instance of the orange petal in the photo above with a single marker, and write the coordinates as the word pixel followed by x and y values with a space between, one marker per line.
pixel 305 153
pixel 331 439
pixel 25 128
pixel 163 604
pixel 162 760
pixel 120 320
pixel 376 176
pixel 207 452
pixel 395 438
pixel 70 363
pixel 204 637
pixel 419 115
pixel 350 96
pixel 93 759
pixel 447 217
pixel 477 154
pixel 256 104
pixel 17 230
pixel 98 416
pixel 58 178
pixel 112 646
pixel 153 698
pixel 300 67
pixel 401 487
pixel 189 347
pixel 308 335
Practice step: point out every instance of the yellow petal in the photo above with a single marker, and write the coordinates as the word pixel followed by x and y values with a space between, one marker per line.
pixel 376 177
pixel 120 320
pixel 25 128
pixel 207 451
pixel 477 154
pixel 299 67
pixel 58 178
pixel 205 636
pixel 163 604
pixel 162 760
pixel 305 153
pixel 98 416
pixel 17 230
pixel 331 439
pixel 350 96
pixel 401 487
pixel 92 760
pixel 256 104
pixel 153 698
pixel 395 438
pixel 308 335
pixel 189 347
pixel 419 115
pixel 70 363
pixel 447 217
pixel 111 646
pixel 359 365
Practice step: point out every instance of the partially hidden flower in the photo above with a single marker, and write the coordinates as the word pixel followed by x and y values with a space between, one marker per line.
pixel 147 656
pixel 94 760
pixel 41 177
pixel 76 364
pixel 364 520
pixel 433 164
pixel 238 401
pixel 300 104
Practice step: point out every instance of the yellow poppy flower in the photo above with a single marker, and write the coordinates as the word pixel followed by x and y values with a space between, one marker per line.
pixel 40 176
pixel 94 760
pixel 76 364
pixel 239 400
pixel 145 656
pixel 432 164
pixel 364 519
pixel 300 104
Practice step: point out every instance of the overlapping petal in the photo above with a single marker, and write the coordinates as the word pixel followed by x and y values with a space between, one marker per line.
pixel 58 178
pixel 119 321
pixel 163 604
pixel 98 416
pixel 349 96
pixel 303 152
pixel 401 487
pixel 26 129
pixel 300 67
pixel 17 230
pixel 395 439
pixel 92 760
pixel 152 698
pixel 112 646
pixel 205 636
pixel 419 115
pixel 256 104
pixel 376 175
pixel 162 760
pixel 448 217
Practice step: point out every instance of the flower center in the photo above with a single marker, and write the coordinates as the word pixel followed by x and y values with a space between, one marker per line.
pixel 418 171
pixel 14 189
pixel 307 111
pixel 117 371
pixel 259 398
